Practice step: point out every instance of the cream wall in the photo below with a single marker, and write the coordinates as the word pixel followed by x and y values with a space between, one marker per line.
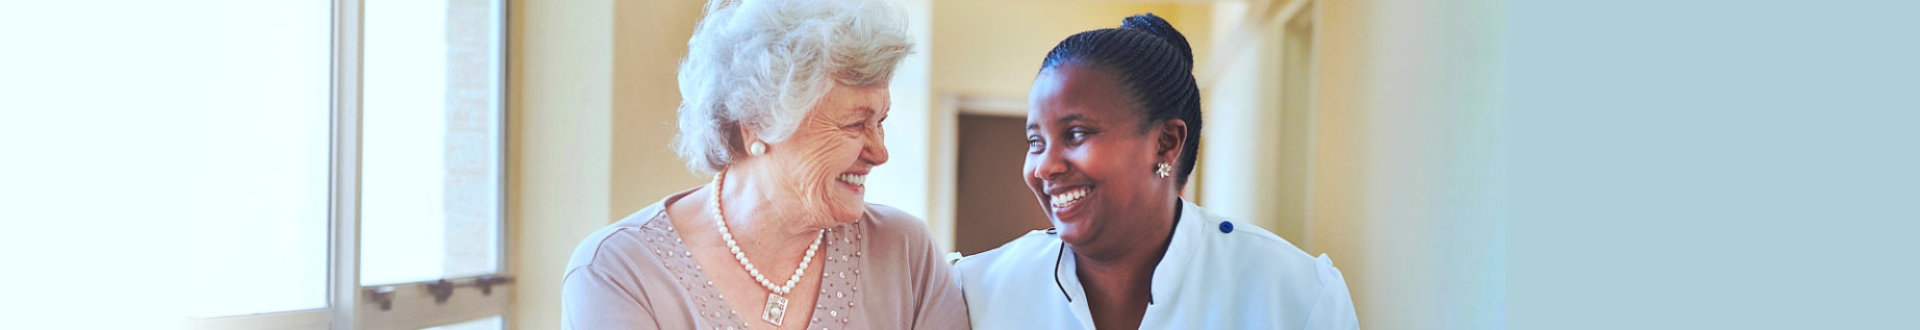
pixel 592 96
pixel 1406 187
pixel 649 39
pixel 559 73
pixel 1408 154
pixel 992 49
pixel 1238 171
pixel 902 182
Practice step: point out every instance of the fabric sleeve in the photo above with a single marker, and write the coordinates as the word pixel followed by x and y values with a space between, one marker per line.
pixel 941 306
pixel 936 289
pixel 594 298
pixel 1334 308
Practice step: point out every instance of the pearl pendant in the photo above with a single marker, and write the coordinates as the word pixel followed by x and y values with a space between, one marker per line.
pixel 776 310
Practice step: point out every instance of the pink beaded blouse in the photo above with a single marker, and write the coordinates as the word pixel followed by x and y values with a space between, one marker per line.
pixel 881 272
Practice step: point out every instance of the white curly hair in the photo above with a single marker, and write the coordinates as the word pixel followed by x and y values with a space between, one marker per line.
pixel 762 64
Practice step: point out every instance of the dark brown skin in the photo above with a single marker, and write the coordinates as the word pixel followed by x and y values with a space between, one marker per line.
pixel 1084 131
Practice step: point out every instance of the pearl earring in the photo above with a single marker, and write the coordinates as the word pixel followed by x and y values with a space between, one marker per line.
pixel 1163 170
pixel 757 148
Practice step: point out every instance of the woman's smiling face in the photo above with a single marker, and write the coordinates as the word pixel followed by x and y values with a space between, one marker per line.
pixel 1089 162
pixel 826 160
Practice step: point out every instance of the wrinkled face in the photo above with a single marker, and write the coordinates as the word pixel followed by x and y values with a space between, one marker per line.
pixel 1088 161
pixel 826 160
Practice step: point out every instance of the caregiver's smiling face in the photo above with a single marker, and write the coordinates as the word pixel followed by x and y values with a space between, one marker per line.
pixel 1089 161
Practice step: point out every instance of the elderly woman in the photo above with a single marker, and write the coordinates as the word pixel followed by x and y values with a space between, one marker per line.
pixel 783 103
pixel 1113 123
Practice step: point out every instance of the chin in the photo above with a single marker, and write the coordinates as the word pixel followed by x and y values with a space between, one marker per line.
pixel 846 211
pixel 1072 235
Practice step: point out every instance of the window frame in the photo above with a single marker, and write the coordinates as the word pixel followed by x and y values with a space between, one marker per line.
pixel 349 304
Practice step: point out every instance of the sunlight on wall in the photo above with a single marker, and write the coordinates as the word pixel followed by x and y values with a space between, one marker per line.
pixel 993 48
pixel 1403 185
pixel 902 182
pixel 1408 169
pixel 559 108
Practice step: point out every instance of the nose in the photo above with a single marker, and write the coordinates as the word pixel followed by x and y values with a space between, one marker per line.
pixel 1051 165
pixel 875 149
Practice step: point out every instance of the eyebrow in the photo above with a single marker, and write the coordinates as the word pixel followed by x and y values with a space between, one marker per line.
pixel 1062 120
pixel 864 112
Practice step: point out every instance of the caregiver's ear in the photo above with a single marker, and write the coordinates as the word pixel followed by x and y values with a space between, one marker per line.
pixel 1170 138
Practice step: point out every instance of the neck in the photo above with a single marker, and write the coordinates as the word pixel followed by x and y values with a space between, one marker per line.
pixel 1117 280
pixel 759 226
pixel 1118 290
pixel 1122 281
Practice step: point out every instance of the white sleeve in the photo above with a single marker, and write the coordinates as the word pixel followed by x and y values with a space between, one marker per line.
pixel 1334 308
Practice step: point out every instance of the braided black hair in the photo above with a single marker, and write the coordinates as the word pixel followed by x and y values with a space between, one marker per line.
pixel 1152 60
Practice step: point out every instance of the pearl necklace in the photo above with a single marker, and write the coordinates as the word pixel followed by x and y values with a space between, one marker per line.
pixel 776 309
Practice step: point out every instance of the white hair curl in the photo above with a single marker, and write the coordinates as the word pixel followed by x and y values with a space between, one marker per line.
pixel 762 64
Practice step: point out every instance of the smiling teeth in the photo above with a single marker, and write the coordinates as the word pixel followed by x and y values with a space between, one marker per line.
pixel 855 179
pixel 1070 197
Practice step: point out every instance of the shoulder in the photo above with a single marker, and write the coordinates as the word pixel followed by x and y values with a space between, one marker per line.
pixel 892 226
pixel 622 244
pixel 1016 271
pixel 1245 244
pixel 1250 238
pixel 1249 245
pixel 1035 248
pixel 1292 284
pixel 617 245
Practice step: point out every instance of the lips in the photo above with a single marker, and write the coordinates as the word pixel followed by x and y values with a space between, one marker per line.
pixel 1069 197
pixel 856 179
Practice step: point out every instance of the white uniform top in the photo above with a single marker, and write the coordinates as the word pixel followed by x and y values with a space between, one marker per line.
pixel 1216 275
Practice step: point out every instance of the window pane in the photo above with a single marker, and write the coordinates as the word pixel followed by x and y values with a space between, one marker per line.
pixel 490 323
pixel 431 148
pixel 260 218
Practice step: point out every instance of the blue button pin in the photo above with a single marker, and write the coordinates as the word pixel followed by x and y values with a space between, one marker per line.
pixel 1226 227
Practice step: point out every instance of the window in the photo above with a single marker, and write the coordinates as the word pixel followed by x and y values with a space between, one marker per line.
pixel 431 144
pixel 263 177
pixel 359 182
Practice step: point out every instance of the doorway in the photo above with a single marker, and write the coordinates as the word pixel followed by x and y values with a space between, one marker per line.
pixel 994 205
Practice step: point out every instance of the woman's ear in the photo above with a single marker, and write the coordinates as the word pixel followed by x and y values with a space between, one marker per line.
pixel 744 139
pixel 747 136
pixel 1171 139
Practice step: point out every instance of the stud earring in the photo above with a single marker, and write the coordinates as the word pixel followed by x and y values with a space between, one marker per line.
pixel 1163 170
pixel 757 148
